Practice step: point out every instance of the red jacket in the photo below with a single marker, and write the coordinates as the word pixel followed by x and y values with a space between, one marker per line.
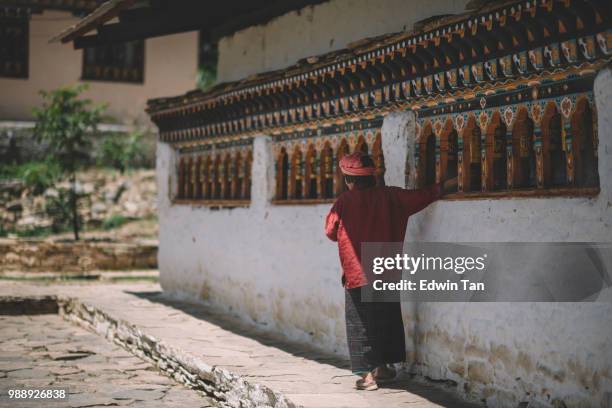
pixel 378 214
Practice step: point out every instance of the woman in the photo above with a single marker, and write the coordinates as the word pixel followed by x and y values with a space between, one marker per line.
pixel 371 213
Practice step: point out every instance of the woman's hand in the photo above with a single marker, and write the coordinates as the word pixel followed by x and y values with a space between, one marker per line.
pixel 449 186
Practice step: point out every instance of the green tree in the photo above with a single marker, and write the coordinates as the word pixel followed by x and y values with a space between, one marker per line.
pixel 67 123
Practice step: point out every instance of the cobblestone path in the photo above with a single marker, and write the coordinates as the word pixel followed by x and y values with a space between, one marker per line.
pixel 48 352
pixel 233 361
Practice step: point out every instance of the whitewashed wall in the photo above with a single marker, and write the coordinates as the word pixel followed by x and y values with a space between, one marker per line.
pixel 273 266
pixel 517 352
pixel 269 264
pixel 319 29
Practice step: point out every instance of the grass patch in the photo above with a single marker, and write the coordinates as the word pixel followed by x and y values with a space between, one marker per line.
pixel 115 221
pixel 36 232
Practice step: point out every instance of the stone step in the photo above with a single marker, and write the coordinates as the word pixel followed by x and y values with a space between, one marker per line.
pixel 75 257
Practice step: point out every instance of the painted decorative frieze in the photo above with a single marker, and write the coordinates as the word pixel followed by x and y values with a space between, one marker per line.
pixel 541 137
pixel 306 162
pixel 214 173
pixel 490 80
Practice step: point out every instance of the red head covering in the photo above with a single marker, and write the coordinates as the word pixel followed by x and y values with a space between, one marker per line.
pixel 351 165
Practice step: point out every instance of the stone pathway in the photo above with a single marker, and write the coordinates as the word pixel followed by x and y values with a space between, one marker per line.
pixel 46 351
pixel 234 363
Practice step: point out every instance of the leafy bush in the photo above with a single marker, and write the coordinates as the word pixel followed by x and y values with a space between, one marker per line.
pixel 36 175
pixel 122 152
pixel 39 176
pixel 208 57
pixel 206 77
pixel 8 171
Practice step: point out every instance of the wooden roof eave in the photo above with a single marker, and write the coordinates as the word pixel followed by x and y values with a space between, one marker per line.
pixel 101 15
pixel 357 53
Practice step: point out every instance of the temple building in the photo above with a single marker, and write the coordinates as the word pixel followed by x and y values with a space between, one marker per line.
pixel 513 97
pixel 123 75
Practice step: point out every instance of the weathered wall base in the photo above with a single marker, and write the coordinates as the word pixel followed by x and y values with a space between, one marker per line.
pixel 228 389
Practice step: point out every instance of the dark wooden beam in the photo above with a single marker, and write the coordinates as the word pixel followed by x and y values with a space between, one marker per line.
pixel 353 80
pixel 534 31
pixel 604 9
pixel 425 57
pixel 395 66
pixel 282 96
pixel 305 95
pixel 463 49
pixel 566 18
pixel 326 90
pixel 417 65
pixel 436 54
pixel 585 13
pixel 487 39
pixel 294 95
pixel 449 52
pixel 341 84
pixel 317 90
pixel 332 85
pixel 476 47
pixel 363 77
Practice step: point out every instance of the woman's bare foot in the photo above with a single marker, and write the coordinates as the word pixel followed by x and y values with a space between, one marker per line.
pixel 384 374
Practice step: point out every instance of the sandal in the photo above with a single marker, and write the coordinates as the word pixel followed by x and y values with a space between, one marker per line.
pixel 366 386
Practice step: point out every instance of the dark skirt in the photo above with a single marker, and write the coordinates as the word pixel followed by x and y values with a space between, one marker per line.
pixel 375 332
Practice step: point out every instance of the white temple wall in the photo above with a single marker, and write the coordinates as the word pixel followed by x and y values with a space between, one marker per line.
pixel 505 351
pixel 273 266
pixel 270 264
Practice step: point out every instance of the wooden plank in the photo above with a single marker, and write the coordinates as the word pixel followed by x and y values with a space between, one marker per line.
pixel 527 193
pixel 212 203
pixel 99 16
